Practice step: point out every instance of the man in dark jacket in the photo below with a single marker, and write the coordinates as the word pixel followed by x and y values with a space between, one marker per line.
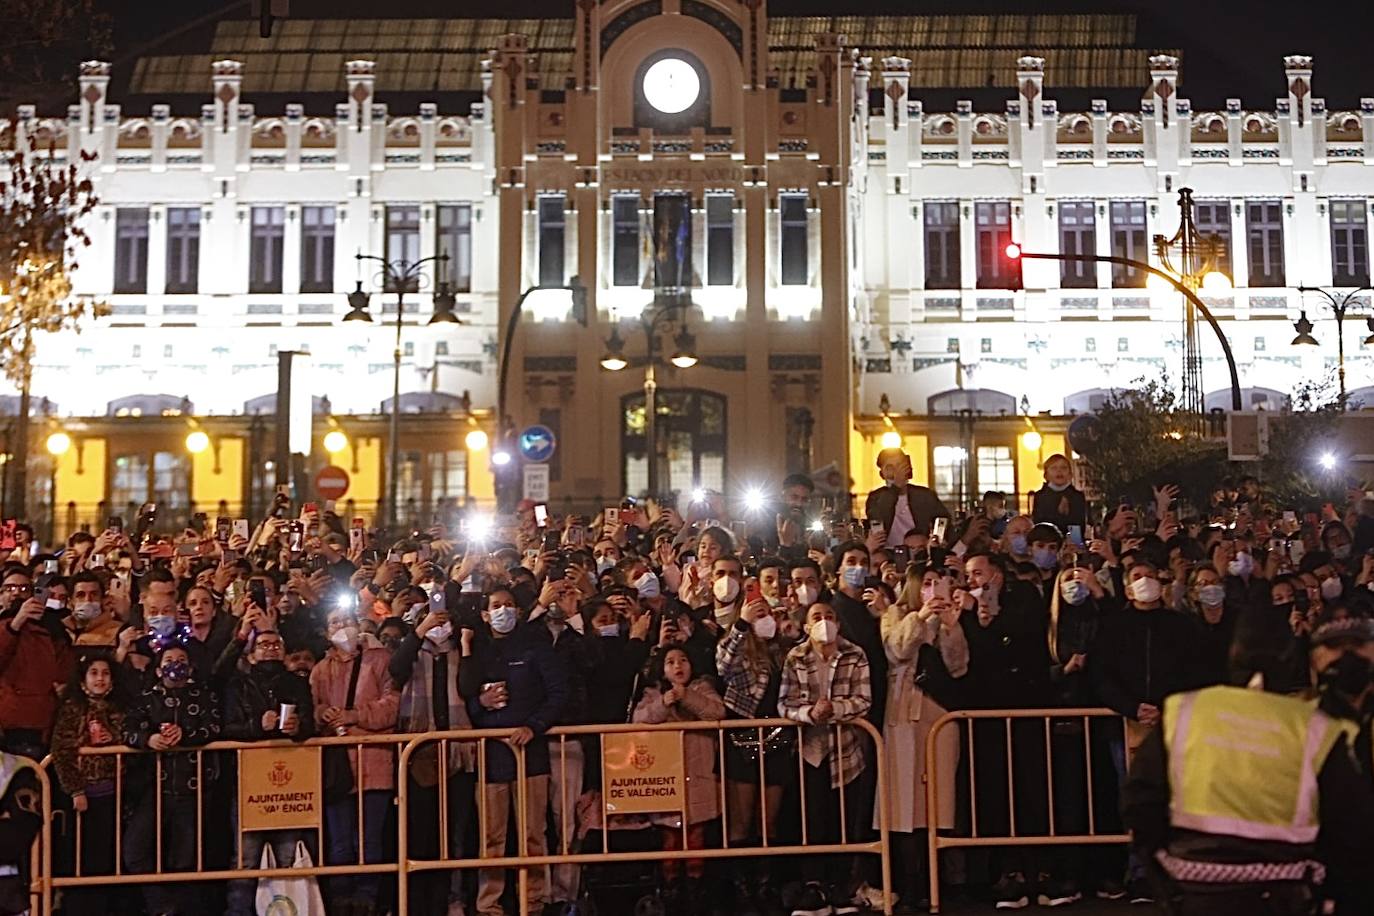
pixel 253 704
pixel 900 505
pixel 513 680
pixel 175 712
pixel 1059 502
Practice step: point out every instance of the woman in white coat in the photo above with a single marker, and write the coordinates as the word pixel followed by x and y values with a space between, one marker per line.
pixel 926 651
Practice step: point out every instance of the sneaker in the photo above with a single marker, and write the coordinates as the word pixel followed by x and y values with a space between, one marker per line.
pixel 870 898
pixel 1058 893
pixel 1139 891
pixel 1011 893
pixel 812 900
pixel 1110 889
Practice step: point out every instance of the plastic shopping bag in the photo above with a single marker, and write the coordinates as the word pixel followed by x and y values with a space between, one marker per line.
pixel 292 895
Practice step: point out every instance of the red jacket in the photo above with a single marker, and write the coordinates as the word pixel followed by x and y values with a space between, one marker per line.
pixel 32 661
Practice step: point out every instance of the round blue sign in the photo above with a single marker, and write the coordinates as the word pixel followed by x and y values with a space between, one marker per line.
pixel 537 443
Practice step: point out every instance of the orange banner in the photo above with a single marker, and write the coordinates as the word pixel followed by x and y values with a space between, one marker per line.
pixel 279 788
pixel 642 772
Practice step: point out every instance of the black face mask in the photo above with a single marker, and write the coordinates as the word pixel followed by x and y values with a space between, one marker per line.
pixel 271 667
pixel 1350 674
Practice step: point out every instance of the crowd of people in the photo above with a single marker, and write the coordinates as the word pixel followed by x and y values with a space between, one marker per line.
pixel 314 625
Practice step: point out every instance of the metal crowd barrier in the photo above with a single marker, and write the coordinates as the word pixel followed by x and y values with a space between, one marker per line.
pixel 1015 837
pixel 560 739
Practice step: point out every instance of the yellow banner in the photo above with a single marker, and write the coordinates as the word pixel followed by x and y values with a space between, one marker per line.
pixel 642 772
pixel 279 788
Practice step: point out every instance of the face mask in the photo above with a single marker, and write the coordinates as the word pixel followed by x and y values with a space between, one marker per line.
pixel 604 565
pixel 162 625
pixel 346 640
pixel 1044 558
pixel 176 672
pixel 647 585
pixel 503 619
pixel 440 634
pixel 1242 565
pixel 1018 544
pixel 1332 588
pixel 1341 552
pixel 1057 487
pixel 427 587
pixel 556 612
pixel 1073 591
pixel 726 589
pixel 415 613
pixel 853 576
pixel 976 593
pixel 806 595
pixel 86 612
pixel 609 630
pixel 271 667
pixel 1211 595
pixel 772 602
pixel 1146 590
pixel 1350 674
pixel 823 631
pixel 765 627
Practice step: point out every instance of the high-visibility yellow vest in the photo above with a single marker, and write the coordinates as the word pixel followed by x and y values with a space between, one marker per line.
pixel 1244 763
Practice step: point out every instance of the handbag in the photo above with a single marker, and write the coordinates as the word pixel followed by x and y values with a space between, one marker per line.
pixel 291 895
pixel 338 772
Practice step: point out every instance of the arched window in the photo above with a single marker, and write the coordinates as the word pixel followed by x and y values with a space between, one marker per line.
pixel 691 435
pixel 979 400
pixel 150 405
pixel 1089 401
pixel 1250 399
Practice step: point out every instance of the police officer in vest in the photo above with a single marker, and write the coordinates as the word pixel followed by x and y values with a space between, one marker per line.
pixel 1245 800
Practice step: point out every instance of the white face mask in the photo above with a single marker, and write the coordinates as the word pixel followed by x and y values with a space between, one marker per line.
pixel 806 595
pixel 726 589
pixel 440 634
pixel 346 640
pixel 647 585
pixel 765 627
pixel 1331 588
pixel 823 631
pixel 610 629
pixel 1146 590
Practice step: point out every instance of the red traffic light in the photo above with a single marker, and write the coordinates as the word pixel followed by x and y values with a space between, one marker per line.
pixel 1013 251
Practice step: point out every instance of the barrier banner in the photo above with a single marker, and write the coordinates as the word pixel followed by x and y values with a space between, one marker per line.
pixel 279 788
pixel 642 772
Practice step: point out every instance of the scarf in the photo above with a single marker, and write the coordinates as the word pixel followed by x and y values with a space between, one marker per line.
pixel 417 704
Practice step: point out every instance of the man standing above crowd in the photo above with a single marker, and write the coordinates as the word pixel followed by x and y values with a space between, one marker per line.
pixel 898 504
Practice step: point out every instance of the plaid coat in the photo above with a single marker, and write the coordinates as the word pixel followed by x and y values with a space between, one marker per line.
pixel 851 694
pixel 746 683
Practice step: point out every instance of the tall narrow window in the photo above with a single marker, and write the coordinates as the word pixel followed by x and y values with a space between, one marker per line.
pixel 1264 242
pixel 996 470
pixel 1213 218
pixel 1128 241
pixel 1349 243
pixel 131 250
pixel 403 240
pixel 552 226
pixel 793 236
pixel 265 256
pixel 317 249
pixel 720 240
pixel 625 241
pixel 992 223
pixel 183 249
pixel 455 240
pixel 1077 235
pixel 942 244
pixel 672 241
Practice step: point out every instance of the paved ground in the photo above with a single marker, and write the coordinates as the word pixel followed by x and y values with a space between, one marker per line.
pixel 1082 908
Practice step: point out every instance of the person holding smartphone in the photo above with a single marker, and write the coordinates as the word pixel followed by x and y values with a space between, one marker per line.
pixel 899 505
pixel 35 654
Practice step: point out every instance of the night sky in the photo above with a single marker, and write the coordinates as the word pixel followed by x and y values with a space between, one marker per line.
pixel 1232 48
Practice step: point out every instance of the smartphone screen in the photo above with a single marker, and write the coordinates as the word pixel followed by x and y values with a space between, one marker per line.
pixel 241 527
pixel 1076 535
pixel 942 587
pixel 752 591
pixel 937 529
pixel 223 528
pixel 541 515
pixel 875 526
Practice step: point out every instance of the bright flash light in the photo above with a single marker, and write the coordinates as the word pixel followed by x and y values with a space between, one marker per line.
pixel 197 441
pixel 753 500
pixel 1328 461
pixel 1032 441
pixel 335 441
pixel 476 441
pixel 1013 251
pixel 59 443
pixel 817 526
pixel 500 458
pixel 892 439
pixel 479 526
pixel 698 495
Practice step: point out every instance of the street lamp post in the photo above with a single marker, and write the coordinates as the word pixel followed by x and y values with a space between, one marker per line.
pixel 1340 304
pixel 398 276
pixel 668 307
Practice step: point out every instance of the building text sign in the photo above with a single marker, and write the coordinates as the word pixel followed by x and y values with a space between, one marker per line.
pixel 661 175
pixel 279 788
pixel 641 772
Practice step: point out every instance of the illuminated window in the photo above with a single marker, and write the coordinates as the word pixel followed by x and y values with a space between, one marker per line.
pixel 1077 235
pixel 992 223
pixel 455 240
pixel 183 249
pixel 131 250
pixel 1128 241
pixel 942 244
pixel 1213 218
pixel 403 241
pixel 948 466
pixel 1264 242
pixel 996 470
pixel 265 250
pixel 1349 244
pixel 317 249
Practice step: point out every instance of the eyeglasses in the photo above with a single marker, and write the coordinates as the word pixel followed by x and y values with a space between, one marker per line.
pixel 272 644
pixel 16 587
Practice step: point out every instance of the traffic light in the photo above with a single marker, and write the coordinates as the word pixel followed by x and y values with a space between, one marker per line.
pixel 508 479
pixel 1013 255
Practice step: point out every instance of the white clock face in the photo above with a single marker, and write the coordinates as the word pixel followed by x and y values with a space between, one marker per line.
pixel 671 85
